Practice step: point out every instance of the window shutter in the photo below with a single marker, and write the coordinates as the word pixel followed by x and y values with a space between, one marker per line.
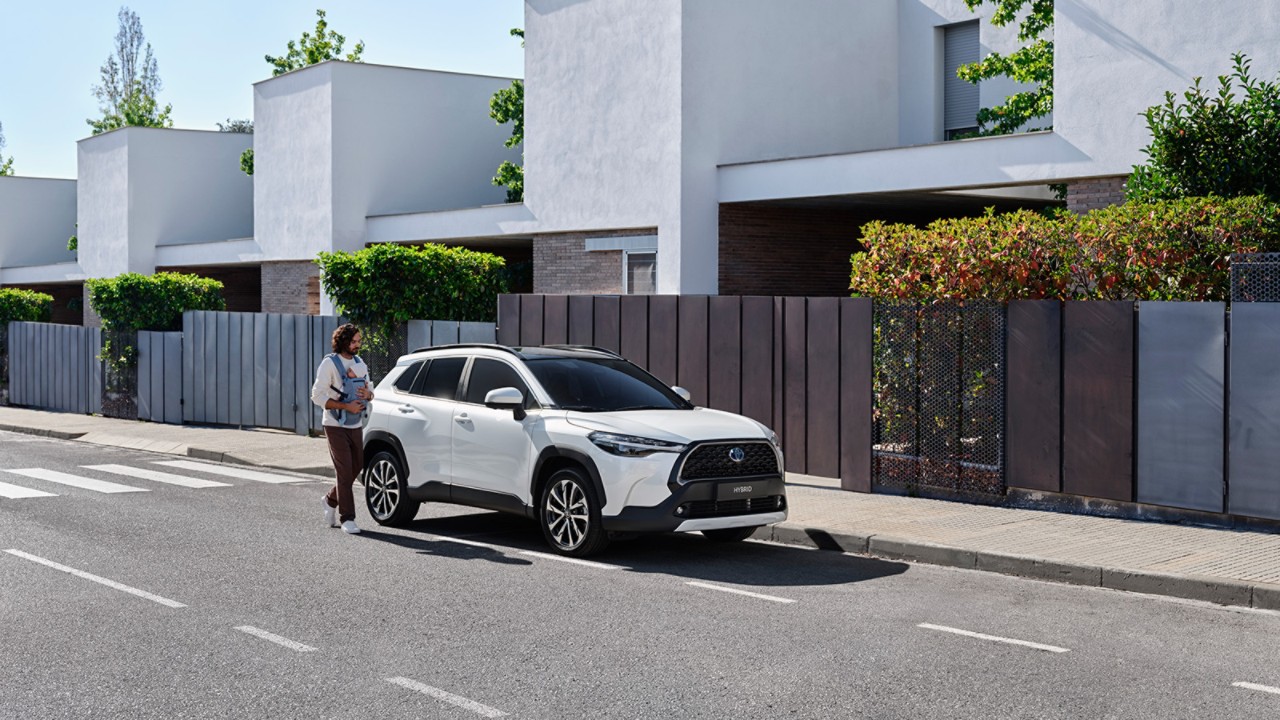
pixel 960 98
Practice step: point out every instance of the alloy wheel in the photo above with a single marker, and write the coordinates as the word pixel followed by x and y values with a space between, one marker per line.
pixel 383 489
pixel 567 515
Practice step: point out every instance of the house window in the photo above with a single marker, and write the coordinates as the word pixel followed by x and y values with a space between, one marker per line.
pixel 641 274
pixel 959 98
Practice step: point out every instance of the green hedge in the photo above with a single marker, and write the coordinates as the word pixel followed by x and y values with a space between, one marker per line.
pixel 1167 250
pixel 24 306
pixel 389 284
pixel 133 301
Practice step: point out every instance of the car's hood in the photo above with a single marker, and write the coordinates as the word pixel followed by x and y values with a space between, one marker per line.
pixel 681 426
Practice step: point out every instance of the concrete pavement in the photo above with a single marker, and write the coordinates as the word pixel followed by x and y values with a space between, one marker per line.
pixel 1220 565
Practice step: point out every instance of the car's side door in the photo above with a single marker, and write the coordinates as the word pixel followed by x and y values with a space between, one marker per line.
pixel 492 449
pixel 423 420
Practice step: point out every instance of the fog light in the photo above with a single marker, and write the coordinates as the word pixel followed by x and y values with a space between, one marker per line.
pixel 680 510
pixel 779 501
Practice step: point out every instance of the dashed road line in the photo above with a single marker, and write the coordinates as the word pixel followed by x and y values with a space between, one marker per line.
pixel 83 483
pixel 457 700
pixel 277 639
pixel 1255 686
pixel 575 561
pixel 735 591
pixel 235 472
pixel 100 580
pixel 15 492
pixel 157 476
pixel 994 638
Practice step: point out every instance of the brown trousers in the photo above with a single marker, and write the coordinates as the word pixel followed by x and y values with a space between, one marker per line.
pixel 346 448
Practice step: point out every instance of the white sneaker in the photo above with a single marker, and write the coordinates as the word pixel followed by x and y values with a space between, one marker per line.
pixel 349 527
pixel 330 513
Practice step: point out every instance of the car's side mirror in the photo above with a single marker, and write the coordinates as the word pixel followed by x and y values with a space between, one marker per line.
pixel 506 398
pixel 688 397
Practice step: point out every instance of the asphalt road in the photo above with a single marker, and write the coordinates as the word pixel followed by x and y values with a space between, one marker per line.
pixel 234 600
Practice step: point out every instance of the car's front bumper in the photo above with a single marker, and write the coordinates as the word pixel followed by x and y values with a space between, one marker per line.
pixel 707 505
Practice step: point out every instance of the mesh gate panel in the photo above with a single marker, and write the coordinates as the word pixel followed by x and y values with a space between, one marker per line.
pixel 1255 277
pixel 939 393
pixel 120 382
pixel 4 363
pixel 382 348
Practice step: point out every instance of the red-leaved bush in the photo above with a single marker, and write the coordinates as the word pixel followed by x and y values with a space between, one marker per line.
pixel 1167 250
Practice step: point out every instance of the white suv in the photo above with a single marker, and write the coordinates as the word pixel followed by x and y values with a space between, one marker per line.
pixel 577 438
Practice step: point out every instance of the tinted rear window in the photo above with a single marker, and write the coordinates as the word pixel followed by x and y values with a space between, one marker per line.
pixel 404 383
pixel 441 378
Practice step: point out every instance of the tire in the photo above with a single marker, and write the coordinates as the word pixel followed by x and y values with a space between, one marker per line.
pixel 568 529
pixel 386 493
pixel 728 535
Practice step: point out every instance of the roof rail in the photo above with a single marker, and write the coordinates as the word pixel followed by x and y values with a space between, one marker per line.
pixel 583 347
pixel 491 346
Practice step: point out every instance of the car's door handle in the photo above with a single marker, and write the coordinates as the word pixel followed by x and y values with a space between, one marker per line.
pixel 406 409
pixel 462 419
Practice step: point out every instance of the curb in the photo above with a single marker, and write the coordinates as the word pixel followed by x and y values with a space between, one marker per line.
pixel 1262 596
pixel 56 434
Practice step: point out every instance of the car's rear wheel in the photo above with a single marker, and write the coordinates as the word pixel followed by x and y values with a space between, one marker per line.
pixel 386 492
pixel 729 534
pixel 570 514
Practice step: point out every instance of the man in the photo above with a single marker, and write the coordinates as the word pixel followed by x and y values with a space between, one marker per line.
pixel 342 390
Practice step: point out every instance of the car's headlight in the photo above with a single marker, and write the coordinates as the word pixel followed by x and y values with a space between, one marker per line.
pixel 631 445
pixel 773 439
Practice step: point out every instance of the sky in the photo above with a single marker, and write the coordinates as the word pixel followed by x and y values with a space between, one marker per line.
pixel 209 56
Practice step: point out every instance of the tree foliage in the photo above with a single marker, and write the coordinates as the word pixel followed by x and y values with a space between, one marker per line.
pixel 1032 63
pixel 132 301
pixel 311 49
pixel 389 284
pixel 1167 250
pixel 6 166
pixel 507 106
pixel 1213 143
pixel 236 126
pixel 130 82
pixel 24 306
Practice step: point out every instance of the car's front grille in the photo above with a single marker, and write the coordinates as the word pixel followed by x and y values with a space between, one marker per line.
pixel 721 508
pixel 717 461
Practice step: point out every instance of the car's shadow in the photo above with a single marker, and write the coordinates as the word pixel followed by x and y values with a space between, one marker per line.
pixel 687 555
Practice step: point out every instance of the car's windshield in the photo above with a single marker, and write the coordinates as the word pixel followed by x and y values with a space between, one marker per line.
pixel 602 385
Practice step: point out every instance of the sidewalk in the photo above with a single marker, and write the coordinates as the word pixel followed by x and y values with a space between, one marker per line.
pixel 1225 566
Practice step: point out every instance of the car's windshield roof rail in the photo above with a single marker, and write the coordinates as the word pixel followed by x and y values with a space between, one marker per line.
pixel 452 346
pixel 583 347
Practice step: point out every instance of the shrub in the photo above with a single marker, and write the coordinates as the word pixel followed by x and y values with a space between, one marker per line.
pixel 1168 250
pixel 389 284
pixel 132 301
pixel 24 306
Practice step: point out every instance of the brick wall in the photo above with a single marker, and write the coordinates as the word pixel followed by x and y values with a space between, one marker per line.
pixel 1087 195
pixel 562 265
pixel 769 250
pixel 291 287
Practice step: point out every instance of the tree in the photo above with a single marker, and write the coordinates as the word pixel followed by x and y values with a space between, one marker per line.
pixel 1213 143
pixel 308 50
pixel 507 106
pixel 1032 63
pixel 130 82
pixel 236 126
pixel 6 166
pixel 311 49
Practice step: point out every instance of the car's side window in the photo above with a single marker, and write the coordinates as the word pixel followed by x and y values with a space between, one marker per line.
pixel 404 383
pixel 440 379
pixel 488 374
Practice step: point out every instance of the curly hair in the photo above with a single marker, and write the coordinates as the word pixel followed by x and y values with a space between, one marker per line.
pixel 342 337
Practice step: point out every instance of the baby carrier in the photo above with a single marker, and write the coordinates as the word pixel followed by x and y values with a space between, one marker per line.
pixel 347 392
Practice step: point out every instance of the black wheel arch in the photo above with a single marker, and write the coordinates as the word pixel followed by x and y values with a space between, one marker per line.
pixel 376 441
pixel 553 458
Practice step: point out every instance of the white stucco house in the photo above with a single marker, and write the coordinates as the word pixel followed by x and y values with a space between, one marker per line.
pixel 37 218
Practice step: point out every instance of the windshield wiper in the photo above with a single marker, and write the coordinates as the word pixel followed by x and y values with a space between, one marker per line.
pixel 580 408
pixel 644 407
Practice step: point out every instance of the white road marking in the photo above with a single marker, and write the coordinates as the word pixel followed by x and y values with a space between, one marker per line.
pixel 575 561
pixel 234 472
pixel 460 541
pixel 994 638
pixel 1255 686
pixel 736 591
pixel 458 700
pixel 62 478
pixel 157 476
pixel 14 492
pixel 272 637
pixel 100 580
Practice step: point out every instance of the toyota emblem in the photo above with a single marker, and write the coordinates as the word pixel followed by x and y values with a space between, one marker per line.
pixel 737 454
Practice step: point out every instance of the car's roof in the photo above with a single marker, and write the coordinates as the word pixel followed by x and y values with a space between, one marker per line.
pixel 525 352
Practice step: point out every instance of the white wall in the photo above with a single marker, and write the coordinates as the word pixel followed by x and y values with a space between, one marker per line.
pixel 37 216
pixel 142 188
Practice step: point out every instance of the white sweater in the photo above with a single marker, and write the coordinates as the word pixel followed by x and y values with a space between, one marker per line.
pixel 327 379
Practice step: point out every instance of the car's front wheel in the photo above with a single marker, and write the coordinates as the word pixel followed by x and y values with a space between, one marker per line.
pixel 386 492
pixel 729 534
pixel 570 514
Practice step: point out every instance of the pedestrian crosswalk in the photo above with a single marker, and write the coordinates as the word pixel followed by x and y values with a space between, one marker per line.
pixel 36 482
